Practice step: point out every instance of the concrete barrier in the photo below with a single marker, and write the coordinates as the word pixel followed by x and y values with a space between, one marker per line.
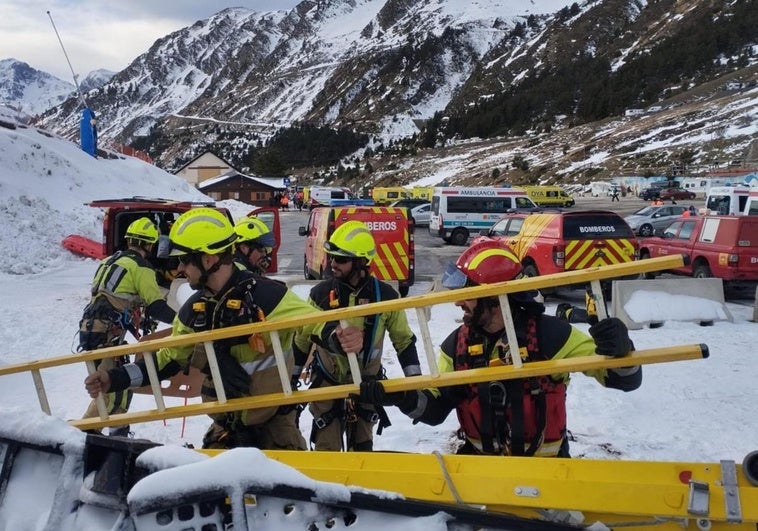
pixel 641 303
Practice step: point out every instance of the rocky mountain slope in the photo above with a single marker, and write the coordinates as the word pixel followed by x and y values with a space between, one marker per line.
pixel 30 91
pixel 390 68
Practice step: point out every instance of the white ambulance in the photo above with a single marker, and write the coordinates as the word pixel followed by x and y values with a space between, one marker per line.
pixel 458 212
pixel 727 200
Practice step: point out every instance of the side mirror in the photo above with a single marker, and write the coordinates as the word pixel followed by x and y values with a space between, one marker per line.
pixel 302 231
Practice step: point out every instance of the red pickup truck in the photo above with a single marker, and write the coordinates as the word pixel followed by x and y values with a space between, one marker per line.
pixel 724 247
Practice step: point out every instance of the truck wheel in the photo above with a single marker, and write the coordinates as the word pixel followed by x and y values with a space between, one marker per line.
pixel 646 230
pixel 306 273
pixel 531 271
pixel 459 236
pixel 702 271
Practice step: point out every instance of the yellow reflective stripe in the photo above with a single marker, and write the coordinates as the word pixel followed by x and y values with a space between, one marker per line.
pixel 474 263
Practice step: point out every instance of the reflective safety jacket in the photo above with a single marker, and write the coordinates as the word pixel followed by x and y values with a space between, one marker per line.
pixel 127 280
pixel 247 363
pixel 331 294
pixel 515 417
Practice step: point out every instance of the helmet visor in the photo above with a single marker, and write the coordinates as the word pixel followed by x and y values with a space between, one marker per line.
pixel 333 249
pixel 454 278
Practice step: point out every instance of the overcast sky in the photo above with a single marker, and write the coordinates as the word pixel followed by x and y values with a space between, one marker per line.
pixel 100 34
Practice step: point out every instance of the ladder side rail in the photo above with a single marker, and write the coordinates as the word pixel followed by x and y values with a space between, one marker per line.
pixel 486 374
pixel 475 292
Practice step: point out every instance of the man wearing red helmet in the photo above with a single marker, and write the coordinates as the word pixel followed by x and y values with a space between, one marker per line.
pixel 511 417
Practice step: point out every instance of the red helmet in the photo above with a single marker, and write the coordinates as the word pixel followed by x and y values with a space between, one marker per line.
pixel 485 262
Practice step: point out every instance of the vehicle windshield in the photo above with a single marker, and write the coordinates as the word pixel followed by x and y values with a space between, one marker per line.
pixel 645 211
pixel 498 229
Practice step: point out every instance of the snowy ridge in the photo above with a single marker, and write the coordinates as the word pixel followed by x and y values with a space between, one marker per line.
pixel 34 160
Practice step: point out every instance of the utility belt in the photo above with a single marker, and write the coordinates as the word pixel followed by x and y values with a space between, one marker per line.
pixel 103 325
pixel 348 410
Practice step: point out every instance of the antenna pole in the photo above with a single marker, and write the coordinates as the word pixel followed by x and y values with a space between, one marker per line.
pixel 73 74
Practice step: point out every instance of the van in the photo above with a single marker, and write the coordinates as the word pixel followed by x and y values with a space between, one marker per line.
pixel 751 207
pixel 392 229
pixel 423 192
pixel 727 199
pixel 549 196
pixel 334 196
pixel 384 195
pixel 458 212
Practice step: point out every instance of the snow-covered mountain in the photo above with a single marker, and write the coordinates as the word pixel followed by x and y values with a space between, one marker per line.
pixel 389 67
pixel 30 91
pixel 96 79
pixel 378 64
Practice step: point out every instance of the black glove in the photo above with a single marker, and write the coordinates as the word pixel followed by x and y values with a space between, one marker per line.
pixel 611 338
pixel 372 392
pixel 295 382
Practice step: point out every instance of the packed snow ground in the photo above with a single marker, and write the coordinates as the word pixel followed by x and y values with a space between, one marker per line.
pixel 701 410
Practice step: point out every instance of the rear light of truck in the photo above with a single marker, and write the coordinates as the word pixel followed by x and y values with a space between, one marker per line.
pixel 559 255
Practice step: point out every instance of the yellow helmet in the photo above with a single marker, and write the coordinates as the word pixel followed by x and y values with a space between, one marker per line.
pixel 352 239
pixel 254 230
pixel 201 230
pixel 143 230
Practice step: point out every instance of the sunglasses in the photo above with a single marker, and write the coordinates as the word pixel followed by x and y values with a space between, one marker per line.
pixel 340 259
pixel 187 259
pixel 260 248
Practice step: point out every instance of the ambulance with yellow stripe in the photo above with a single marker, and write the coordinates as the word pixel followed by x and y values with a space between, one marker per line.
pixel 553 242
pixel 392 229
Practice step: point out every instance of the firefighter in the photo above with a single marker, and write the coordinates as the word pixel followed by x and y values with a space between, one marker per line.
pixel 203 240
pixel 123 284
pixel 255 243
pixel 524 417
pixel 350 250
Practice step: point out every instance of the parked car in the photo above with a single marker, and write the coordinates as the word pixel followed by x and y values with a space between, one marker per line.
pixel 675 193
pixel 552 242
pixel 724 247
pixel 421 214
pixel 646 220
pixel 649 194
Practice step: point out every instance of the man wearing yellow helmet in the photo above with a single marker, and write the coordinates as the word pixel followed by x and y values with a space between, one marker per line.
pixel 123 283
pixel 203 240
pixel 510 417
pixel 255 243
pixel 350 250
